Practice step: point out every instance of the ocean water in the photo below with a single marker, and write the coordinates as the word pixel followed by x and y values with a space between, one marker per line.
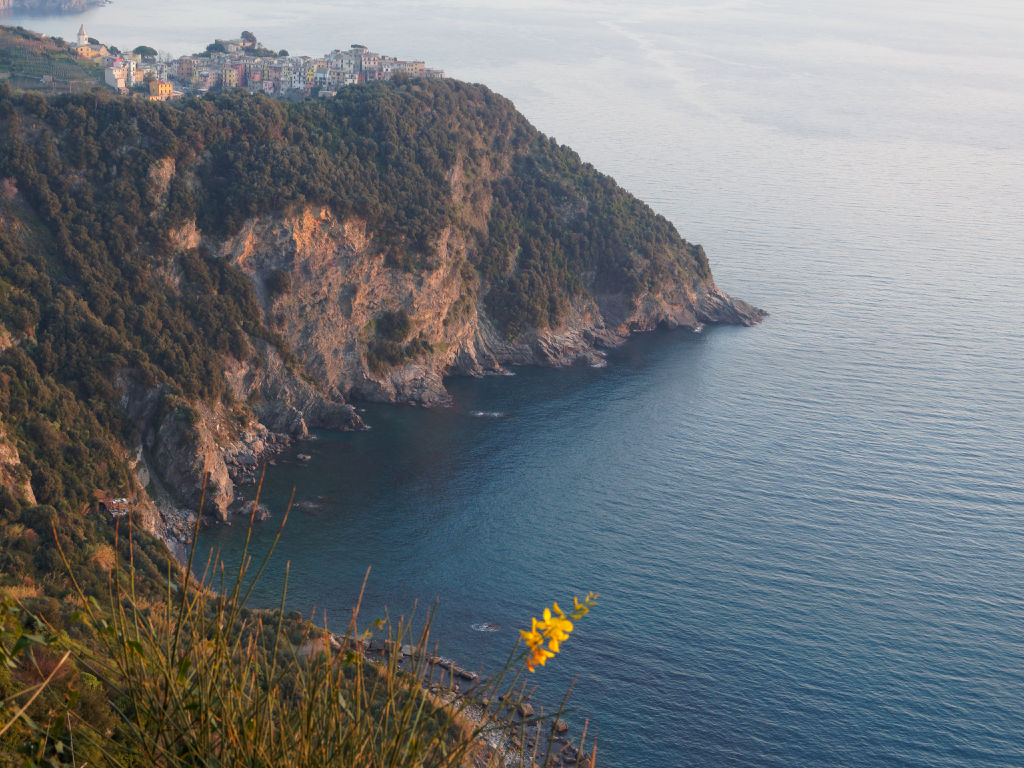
pixel 808 536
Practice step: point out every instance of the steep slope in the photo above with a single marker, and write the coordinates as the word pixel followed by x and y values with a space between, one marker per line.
pixel 184 287
pixel 372 331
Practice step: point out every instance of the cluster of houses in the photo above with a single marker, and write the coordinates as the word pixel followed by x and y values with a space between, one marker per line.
pixel 125 71
pixel 244 63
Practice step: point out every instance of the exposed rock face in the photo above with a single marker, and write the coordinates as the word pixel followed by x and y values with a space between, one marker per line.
pixel 284 402
pixel 179 448
pixel 184 445
pixel 189 456
pixel 339 284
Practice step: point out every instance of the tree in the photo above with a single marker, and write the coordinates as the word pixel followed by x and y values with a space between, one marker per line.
pixel 283 52
pixel 145 51
pixel 248 37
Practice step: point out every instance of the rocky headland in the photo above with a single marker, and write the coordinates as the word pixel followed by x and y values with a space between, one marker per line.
pixel 243 270
pixel 49 6
pixel 340 282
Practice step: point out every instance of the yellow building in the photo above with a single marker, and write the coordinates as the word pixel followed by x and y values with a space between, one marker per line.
pixel 90 51
pixel 159 90
pixel 229 78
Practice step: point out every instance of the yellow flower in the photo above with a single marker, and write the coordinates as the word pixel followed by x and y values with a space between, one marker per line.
pixel 533 638
pixel 539 655
pixel 555 628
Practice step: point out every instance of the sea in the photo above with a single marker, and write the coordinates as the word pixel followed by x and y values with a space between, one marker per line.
pixel 807 536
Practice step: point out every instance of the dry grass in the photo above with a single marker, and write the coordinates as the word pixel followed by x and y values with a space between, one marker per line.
pixel 202 680
pixel 21 592
pixel 103 556
pixel 198 679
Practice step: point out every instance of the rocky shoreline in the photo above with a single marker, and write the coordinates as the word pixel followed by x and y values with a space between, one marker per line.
pixel 340 284
pixel 253 450
pixel 49 7
pixel 520 736
pixel 240 460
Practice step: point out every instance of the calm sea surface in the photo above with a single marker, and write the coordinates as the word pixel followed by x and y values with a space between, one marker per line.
pixel 809 536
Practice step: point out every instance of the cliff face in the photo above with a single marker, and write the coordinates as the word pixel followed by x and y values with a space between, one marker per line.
pixel 340 284
pixel 191 454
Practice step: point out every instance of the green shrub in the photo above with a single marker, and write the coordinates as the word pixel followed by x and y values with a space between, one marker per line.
pixel 393 326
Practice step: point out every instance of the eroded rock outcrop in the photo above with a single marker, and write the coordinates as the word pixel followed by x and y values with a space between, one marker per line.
pixel 192 454
pixel 338 284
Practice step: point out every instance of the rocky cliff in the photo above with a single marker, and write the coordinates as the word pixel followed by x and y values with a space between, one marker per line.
pixel 340 284
pixel 189 287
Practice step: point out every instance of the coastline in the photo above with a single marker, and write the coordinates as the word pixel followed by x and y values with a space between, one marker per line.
pixel 50 7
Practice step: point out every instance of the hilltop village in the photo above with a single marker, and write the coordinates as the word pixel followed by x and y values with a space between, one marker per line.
pixel 242 63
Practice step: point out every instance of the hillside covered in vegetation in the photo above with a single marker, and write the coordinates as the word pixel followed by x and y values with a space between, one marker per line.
pixel 34 62
pixel 186 286
pixel 180 281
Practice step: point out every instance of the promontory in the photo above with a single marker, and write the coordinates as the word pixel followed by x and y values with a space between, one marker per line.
pixel 186 285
